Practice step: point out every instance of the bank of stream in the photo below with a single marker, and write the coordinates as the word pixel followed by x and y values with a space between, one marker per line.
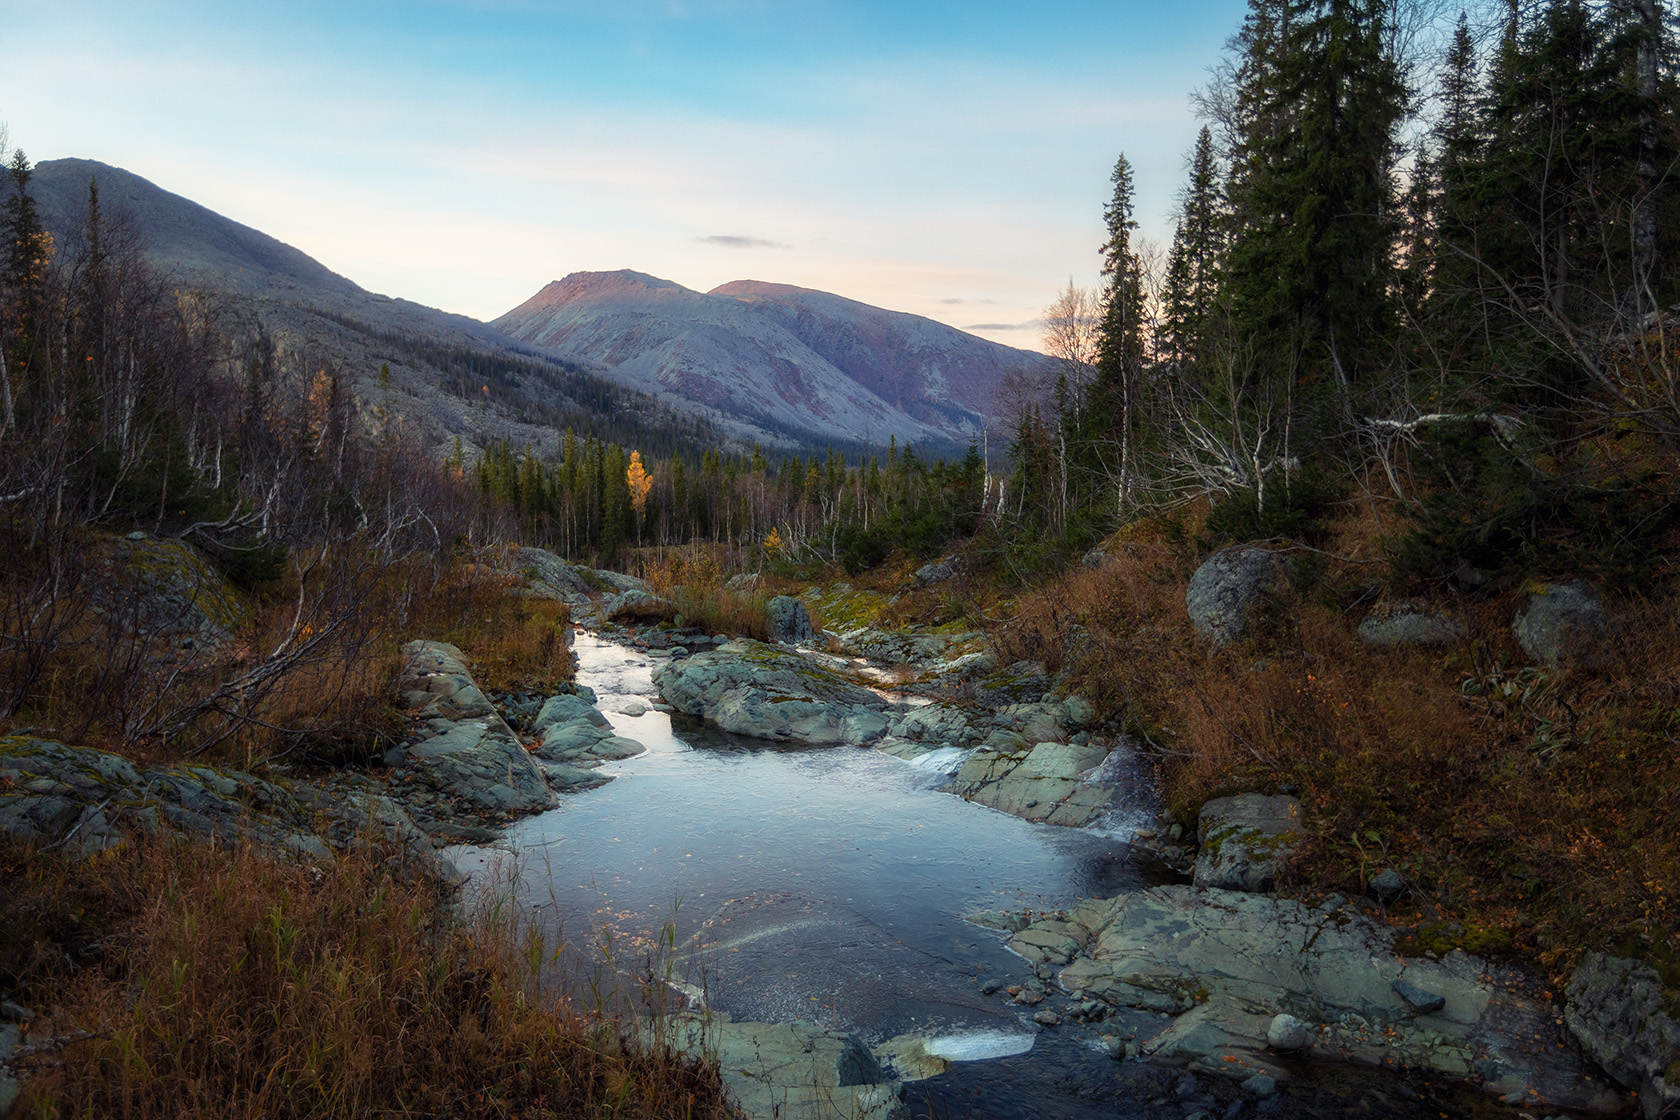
pixel 830 886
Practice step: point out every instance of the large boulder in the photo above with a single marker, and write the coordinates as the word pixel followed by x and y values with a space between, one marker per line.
pixel 636 604
pixel 167 591
pixel 1564 624
pixel 1409 624
pixel 757 689
pixel 1228 964
pixel 1616 1007
pixel 462 747
pixel 1226 588
pixel 1045 781
pixel 790 622
pixel 1245 840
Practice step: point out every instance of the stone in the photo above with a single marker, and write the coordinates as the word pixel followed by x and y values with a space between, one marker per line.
pixel 1078 712
pixel 1409 624
pixel 1615 1007
pixel 790 622
pixel 1226 588
pixel 938 572
pixel 1422 1000
pixel 1047 1018
pixel 1564 624
pixel 1286 1032
pixel 1045 783
pixel 565 708
pixel 762 690
pixel 1387 885
pixel 1096 559
pixel 1261 1085
pixel 636 603
pixel 1246 840
pixel 789 1071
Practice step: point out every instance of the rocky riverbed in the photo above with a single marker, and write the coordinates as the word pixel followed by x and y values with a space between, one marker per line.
pixel 1247 994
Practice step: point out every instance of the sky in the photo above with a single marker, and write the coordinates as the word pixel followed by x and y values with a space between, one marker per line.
pixel 950 159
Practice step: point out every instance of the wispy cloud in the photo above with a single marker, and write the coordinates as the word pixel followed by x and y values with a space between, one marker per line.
pixel 731 241
pixel 955 302
pixel 1029 325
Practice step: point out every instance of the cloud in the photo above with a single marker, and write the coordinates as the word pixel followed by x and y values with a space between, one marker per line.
pixel 954 302
pixel 1029 325
pixel 730 241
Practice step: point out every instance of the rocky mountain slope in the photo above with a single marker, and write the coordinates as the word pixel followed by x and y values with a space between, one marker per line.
pixel 787 358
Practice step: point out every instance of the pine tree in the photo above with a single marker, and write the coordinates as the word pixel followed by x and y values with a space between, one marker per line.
pixel 1120 352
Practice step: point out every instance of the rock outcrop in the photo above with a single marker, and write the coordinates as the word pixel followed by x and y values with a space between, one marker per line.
pixel 1226 588
pixel 1245 841
pixel 1226 965
pixel 166 591
pixel 757 689
pixel 790 622
pixel 1044 781
pixel 463 750
pixel 1616 1008
pixel 573 739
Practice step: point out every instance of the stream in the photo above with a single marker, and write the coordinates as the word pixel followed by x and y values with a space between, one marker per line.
pixel 829 885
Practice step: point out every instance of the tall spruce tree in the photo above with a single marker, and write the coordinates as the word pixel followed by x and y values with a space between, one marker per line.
pixel 1120 343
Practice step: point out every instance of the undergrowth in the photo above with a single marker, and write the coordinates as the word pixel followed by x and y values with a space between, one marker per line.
pixel 218 983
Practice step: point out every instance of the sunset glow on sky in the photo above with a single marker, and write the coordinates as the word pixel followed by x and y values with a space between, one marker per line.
pixel 949 159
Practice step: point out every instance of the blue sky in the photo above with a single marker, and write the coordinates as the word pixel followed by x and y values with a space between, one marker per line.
pixel 949 159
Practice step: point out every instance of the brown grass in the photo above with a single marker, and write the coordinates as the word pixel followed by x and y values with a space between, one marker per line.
pixel 228 985
pixel 1533 811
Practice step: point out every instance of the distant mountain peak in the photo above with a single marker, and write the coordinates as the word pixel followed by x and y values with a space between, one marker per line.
pixel 623 281
pixel 758 288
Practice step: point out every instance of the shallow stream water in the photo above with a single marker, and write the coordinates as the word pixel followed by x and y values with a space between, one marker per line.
pixel 827 885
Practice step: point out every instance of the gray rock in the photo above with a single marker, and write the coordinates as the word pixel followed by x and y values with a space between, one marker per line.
pixel 1047 1018
pixel 1422 1000
pixel 1387 885
pixel 1226 964
pixel 938 572
pixel 635 600
pixel 790 622
pixel 789 1071
pixel 1409 624
pixel 565 709
pixel 1616 1008
pixel 1261 1085
pixel 1078 712
pixel 1286 1032
pixel 1097 559
pixel 1043 783
pixel 1246 840
pixel 465 749
pixel 551 577
pixel 1226 587
pixel 746 581
pixel 758 689
pixel 1564 625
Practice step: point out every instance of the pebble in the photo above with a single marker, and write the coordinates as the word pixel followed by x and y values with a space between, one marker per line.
pixel 990 986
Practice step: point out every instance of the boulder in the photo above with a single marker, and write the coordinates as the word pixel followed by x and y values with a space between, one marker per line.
pixel 790 622
pixel 1226 587
pixel 1042 783
pixel 566 708
pixel 636 602
pixel 788 1071
pixel 168 591
pixel 1245 841
pixel 551 577
pixel 757 689
pixel 463 748
pixel 1616 1008
pixel 1564 624
pixel 1235 968
pixel 1409 624
pixel 938 572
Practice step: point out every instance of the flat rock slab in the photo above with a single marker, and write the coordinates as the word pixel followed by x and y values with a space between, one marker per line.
pixel 1044 782
pixel 790 1071
pixel 1227 963
pixel 757 689
pixel 463 748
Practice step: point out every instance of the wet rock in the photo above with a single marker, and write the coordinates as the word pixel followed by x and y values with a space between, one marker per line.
pixel 1565 624
pixel 1422 1000
pixel 790 622
pixel 1043 783
pixel 1226 587
pixel 566 709
pixel 908 1056
pixel 1047 1018
pixel 1409 624
pixel 1616 1008
pixel 790 1071
pixel 1245 840
pixel 753 688
pixel 1261 1085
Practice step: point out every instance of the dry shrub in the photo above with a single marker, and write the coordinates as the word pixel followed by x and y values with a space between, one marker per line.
pixel 1531 810
pixel 231 985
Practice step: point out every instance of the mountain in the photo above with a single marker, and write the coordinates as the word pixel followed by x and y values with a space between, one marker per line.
pixel 451 375
pixel 787 358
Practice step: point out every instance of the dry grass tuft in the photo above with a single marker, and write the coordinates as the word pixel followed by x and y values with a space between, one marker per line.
pixel 233 986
